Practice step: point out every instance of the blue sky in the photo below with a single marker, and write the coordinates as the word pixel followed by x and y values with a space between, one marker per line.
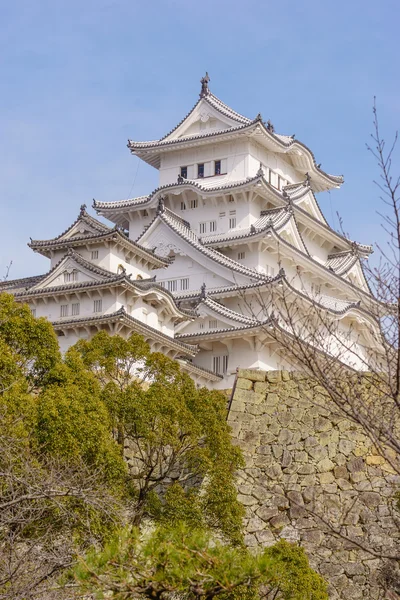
pixel 79 78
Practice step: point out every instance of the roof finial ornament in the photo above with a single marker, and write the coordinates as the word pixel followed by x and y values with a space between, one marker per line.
pixel 83 209
pixel 270 127
pixel 204 85
pixel 308 178
pixel 203 291
pixel 160 206
pixel 260 172
pixel 181 179
pixel 252 228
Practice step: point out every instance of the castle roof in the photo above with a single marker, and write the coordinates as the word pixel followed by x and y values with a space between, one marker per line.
pixel 231 124
pixel 88 230
pixel 182 229
pixel 293 194
pixel 132 323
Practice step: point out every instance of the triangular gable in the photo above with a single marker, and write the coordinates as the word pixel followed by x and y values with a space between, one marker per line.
pixel 207 115
pixel 70 271
pixel 310 205
pixel 290 232
pixel 167 240
pixel 356 276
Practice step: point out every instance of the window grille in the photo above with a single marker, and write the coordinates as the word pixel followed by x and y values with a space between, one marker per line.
pixel 75 309
pixel 194 203
pixel 95 254
pixel 212 323
pixel 185 284
pixel 213 226
pixel 220 364
pixel 64 310
pixel 241 255
pixel 200 170
pixel 203 227
pixel 97 305
pixel 232 222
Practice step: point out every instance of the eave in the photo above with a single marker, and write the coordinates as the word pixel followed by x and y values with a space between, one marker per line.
pixel 120 316
pixel 302 157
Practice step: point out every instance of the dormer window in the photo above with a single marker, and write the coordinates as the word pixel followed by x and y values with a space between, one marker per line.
pixel 184 172
pixel 71 276
pixel 217 167
pixel 200 170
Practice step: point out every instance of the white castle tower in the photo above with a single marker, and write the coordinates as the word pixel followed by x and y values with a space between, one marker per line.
pixel 192 265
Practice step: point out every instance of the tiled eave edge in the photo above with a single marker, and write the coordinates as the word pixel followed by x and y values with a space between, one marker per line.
pixel 278 142
pixel 118 280
pixel 114 235
pixel 136 325
pixel 167 217
pixel 151 201
pixel 280 279
pixel 192 368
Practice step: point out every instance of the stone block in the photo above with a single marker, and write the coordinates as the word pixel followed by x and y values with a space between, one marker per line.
pixel 318 452
pixel 255 524
pixel 266 512
pixel 285 436
pixel 272 399
pixel 261 387
pixel 325 465
pixel 295 498
pixel 274 376
pixel 370 499
pixel 346 446
pixel 244 384
pixel 356 464
pixel 306 469
pixel 237 406
pixel 252 375
pixel 265 538
pixel 279 521
pixel 341 472
pixel 287 459
pixel 326 478
pixel 374 460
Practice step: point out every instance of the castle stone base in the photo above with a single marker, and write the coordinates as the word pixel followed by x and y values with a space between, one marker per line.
pixel 312 477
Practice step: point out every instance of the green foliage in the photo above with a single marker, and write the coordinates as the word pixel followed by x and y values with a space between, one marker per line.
pixel 196 566
pixel 183 457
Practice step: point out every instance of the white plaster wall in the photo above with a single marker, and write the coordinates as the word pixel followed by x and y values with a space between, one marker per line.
pixel 184 267
pixel 235 154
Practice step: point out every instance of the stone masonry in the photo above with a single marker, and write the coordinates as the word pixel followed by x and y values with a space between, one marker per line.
pixel 311 474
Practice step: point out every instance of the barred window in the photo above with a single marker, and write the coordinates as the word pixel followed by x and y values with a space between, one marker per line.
pixel 64 310
pixel 75 309
pixel 97 305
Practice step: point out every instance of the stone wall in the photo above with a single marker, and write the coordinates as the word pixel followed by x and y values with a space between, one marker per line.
pixel 309 474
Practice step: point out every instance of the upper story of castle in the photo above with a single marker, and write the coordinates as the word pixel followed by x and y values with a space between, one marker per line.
pixel 214 145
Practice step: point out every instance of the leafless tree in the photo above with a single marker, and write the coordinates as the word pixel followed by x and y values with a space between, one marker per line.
pixel 358 365
pixel 45 507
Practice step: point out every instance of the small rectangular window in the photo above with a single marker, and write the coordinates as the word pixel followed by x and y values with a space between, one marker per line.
pixel 230 198
pixel 64 310
pixel 241 255
pixel 184 172
pixel 217 167
pixel 203 227
pixel 213 226
pixel 183 206
pixel 95 254
pixel 75 309
pixel 212 324
pixel 172 285
pixel 185 284
pixel 97 306
pixel 194 203
pixel 33 311
pixel 221 215
pixel 200 170
pixel 225 364
pixel 232 213
pixel 201 325
pixel 232 222
pixel 69 277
